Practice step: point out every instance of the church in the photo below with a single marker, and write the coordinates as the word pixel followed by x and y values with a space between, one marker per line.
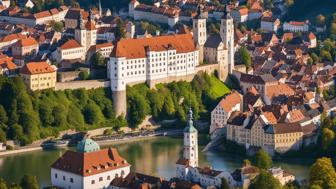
pixel 187 167
pixel 215 48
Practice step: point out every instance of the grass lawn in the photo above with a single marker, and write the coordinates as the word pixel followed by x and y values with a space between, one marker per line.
pixel 218 88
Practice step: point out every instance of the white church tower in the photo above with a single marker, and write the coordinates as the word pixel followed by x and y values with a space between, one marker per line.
pixel 190 151
pixel 200 31
pixel 190 145
pixel 80 31
pixel 227 35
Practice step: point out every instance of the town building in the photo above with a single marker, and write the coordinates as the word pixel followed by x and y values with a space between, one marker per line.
pixel 70 50
pixel 294 26
pixel 151 60
pixel 7 65
pixel 25 47
pixel 89 167
pixel 38 75
pixel 269 23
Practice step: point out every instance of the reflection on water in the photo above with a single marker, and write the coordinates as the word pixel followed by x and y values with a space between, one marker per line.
pixel 155 156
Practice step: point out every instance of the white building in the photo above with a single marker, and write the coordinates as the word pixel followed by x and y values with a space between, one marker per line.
pixel 221 113
pixel 296 26
pixel 150 59
pixel 88 167
pixel 187 166
pixel 227 35
pixel 70 50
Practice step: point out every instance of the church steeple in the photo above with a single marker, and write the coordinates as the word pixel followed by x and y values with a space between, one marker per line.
pixel 100 9
pixel 190 151
pixel 80 22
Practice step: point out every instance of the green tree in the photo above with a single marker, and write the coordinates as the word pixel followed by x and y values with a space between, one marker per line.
pixel 3 137
pixel 3 115
pixel 322 173
pixel 138 108
pixel 3 184
pixel 75 117
pixel 93 114
pixel 29 182
pixel 327 138
pixel 84 75
pixel 59 113
pixel 57 26
pixel 225 184
pixel 98 60
pixel 265 181
pixel 263 159
pixel 333 28
pixel 245 57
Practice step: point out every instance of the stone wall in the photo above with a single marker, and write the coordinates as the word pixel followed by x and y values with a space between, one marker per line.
pixel 86 84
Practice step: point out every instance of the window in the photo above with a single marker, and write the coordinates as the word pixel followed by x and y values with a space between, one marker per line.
pixel 55 175
pixel 63 177
pixel 71 180
pixel 92 181
pixel 108 177
pixel 100 179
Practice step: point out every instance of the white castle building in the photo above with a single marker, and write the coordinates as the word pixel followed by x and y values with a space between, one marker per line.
pixel 169 58
pixel 88 167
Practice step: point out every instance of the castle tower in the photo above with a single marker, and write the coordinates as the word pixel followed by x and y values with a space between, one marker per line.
pixel 91 31
pixel 227 35
pixel 200 31
pixel 190 151
pixel 80 31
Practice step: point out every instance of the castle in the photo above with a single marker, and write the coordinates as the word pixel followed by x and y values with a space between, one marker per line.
pixel 170 58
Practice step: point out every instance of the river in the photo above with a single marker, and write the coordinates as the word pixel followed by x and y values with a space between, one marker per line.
pixel 155 156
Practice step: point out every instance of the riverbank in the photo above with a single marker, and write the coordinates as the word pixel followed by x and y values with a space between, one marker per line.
pixel 103 140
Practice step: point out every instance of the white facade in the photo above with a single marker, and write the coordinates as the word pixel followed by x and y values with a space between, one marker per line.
pixel 227 35
pixel 296 26
pixel 154 66
pixel 270 25
pixel 69 54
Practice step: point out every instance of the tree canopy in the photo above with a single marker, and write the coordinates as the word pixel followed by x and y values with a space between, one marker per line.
pixel 322 174
pixel 265 180
pixel 263 159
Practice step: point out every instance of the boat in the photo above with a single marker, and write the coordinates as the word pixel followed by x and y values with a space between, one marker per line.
pixel 54 144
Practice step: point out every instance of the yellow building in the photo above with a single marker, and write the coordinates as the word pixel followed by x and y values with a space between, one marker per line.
pixel 38 75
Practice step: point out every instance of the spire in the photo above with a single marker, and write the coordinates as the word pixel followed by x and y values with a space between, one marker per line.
pixel 190 124
pixel 100 9
pixel 80 22
pixel 200 13
pixel 226 13
pixel 90 15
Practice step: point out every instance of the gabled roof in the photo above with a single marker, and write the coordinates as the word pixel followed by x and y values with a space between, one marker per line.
pixel 36 68
pixel 71 44
pixel 229 101
pixel 213 41
pixel 26 42
pixel 136 48
pixel 91 163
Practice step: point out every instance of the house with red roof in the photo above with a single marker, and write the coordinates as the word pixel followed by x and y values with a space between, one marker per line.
pixel 38 75
pixel 89 167
pixel 25 46
pixel 70 50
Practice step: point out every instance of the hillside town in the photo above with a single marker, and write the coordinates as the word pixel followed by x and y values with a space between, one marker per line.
pixel 279 74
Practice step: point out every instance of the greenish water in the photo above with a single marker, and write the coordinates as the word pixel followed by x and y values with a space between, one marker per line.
pixel 156 156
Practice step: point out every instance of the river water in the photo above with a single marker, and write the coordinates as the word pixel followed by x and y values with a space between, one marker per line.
pixel 155 156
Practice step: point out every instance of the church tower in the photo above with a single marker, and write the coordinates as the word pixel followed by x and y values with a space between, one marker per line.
pixel 227 35
pixel 200 31
pixel 91 31
pixel 80 31
pixel 190 151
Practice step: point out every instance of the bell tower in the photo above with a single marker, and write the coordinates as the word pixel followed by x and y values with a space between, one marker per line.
pixel 80 31
pixel 190 151
pixel 199 31
pixel 227 35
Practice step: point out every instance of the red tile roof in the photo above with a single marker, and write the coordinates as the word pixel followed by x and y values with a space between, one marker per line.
pixel 231 100
pixel 12 37
pixel 7 62
pixel 36 68
pixel 136 48
pixel 71 44
pixel 90 163
pixel 26 42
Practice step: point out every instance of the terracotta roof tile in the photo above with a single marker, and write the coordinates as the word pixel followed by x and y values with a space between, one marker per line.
pixel 136 48
pixel 231 100
pixel 36 68
pixel 90 163
pixel 26 42
pixel 71 44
